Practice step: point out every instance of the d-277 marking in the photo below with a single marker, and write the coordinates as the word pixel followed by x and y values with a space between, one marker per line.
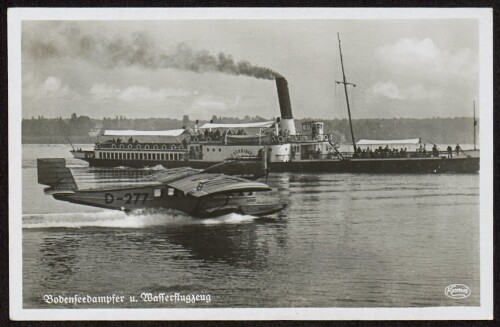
pixel 129 198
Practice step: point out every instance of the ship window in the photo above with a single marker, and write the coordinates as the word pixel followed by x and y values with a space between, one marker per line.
pixel 208 150
pixel 154 156
pixel 219 150
pixel 128 156
pixel 170 192
pixel 140 156
pixel 157 192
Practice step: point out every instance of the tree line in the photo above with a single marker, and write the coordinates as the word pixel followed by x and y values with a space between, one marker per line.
pixel 80 128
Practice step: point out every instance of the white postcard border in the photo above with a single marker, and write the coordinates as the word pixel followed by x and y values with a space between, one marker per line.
pixel 484 311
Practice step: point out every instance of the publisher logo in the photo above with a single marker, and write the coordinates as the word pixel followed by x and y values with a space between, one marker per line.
pixel 457 291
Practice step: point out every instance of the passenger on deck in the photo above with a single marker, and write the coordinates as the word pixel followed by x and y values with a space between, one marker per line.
pixel 435 151
pixel 458 149
pixel 130 140
pixel 118 140
pixel 450 151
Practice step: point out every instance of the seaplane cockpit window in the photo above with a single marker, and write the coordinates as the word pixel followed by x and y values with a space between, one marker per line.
pixel 157 192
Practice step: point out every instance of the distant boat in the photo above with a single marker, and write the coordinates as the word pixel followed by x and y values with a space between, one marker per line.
pixel 286 149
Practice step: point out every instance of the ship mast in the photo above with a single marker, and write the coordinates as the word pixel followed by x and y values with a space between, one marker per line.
pixel 346 96
pixel 475 123
pixel 65 133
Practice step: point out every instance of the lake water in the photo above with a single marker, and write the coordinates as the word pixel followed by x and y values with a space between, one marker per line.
pixel 345 240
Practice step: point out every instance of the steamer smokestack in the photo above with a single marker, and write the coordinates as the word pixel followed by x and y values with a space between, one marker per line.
pixel 286 122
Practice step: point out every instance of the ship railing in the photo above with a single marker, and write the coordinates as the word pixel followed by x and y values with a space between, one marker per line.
pixel 405 154
pixel 140 146
pixel 307 156
pixel 300 138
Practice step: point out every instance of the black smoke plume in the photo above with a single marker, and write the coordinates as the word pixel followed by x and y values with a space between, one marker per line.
pixel 138 50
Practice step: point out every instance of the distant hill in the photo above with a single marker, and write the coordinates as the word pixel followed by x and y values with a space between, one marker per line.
pixel 42 130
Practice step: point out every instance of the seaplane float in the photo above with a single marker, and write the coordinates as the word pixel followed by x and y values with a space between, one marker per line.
pixel 198 193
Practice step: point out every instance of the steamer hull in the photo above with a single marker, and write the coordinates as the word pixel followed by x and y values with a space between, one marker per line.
pixel 390 165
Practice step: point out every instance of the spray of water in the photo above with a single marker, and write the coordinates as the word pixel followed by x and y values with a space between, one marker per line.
pixel 117 219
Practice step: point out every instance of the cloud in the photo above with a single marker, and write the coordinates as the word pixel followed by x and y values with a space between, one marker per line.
pixel 139 93
pixel 424 57
pixel 387 89
pixel 102 91
pixel 209 102
pixel 51 88
pixel 393 91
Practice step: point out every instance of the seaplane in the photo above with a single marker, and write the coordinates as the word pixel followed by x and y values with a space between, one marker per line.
pixel 198 193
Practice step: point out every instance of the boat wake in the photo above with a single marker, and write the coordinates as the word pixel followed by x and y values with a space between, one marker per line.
pixel 118 219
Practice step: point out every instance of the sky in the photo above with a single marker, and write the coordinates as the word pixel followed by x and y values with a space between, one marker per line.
pixel 139 69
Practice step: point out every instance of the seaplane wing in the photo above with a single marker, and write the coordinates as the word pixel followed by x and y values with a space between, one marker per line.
pixel 204 184
pixel 197 193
